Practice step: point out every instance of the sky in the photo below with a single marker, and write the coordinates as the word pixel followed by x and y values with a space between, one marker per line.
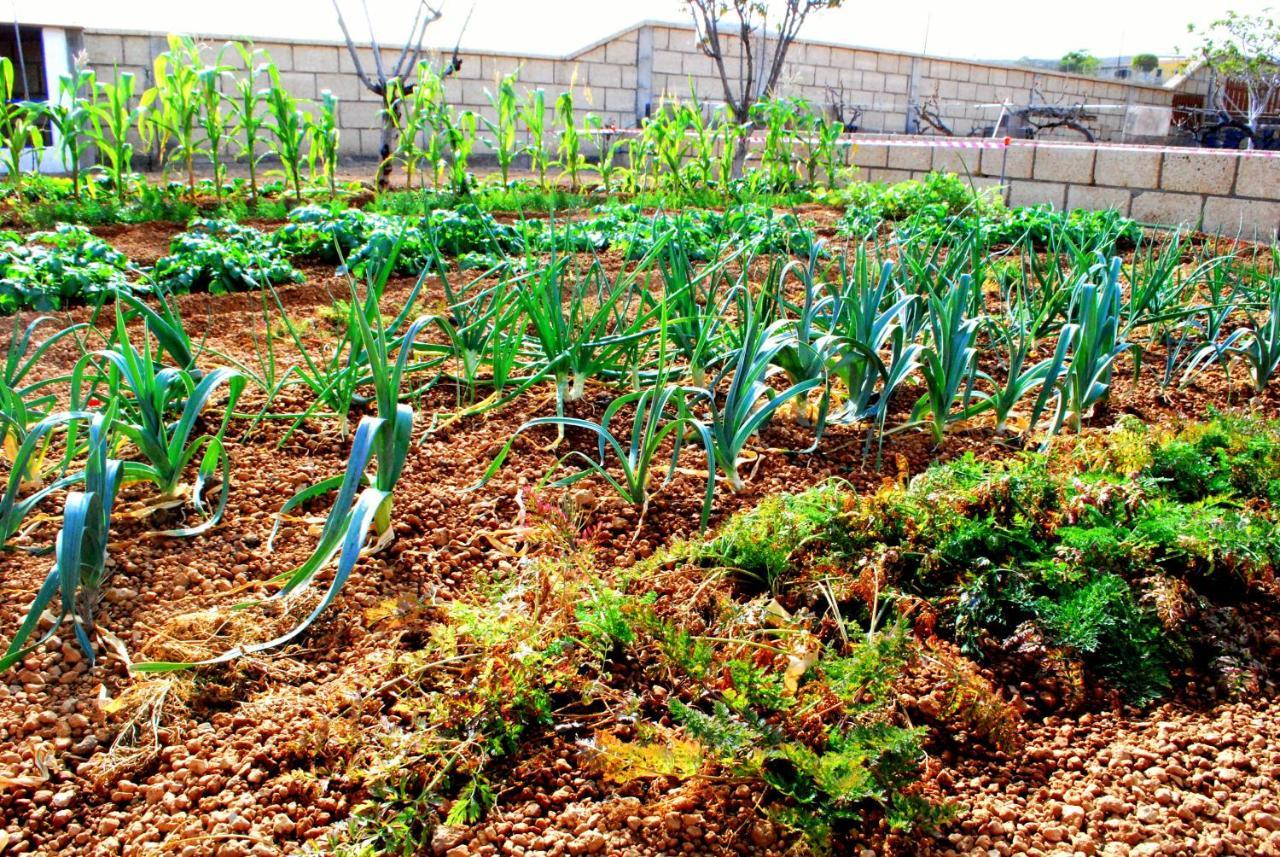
pixel 984 29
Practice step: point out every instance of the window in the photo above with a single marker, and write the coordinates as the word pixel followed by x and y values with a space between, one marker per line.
pixel 28 63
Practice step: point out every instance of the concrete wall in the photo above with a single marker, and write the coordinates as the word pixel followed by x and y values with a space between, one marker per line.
pixel 1218 191
pixel 621 77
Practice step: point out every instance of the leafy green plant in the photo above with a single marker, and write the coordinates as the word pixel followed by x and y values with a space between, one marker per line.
pixel 220 256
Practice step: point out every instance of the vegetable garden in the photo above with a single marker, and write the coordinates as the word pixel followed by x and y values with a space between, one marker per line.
pixel 636 503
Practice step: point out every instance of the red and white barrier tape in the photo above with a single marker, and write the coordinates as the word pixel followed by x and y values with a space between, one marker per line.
pixel 990 143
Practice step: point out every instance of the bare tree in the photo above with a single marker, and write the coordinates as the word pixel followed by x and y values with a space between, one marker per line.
pixel 402 71
pixel 759 62
pixel 1244 49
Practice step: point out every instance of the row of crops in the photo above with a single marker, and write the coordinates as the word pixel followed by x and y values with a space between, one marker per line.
pixel 700 355
pixel 209 110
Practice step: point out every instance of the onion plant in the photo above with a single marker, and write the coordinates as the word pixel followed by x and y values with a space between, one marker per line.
pixel 80 564
pixel 580 331
pixel 660 414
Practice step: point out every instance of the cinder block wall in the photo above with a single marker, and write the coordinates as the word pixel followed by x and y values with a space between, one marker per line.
pixel 1218 191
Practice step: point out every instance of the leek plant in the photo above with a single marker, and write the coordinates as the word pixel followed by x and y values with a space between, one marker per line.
pixel 1261 348
pixel 949 362
pixel 749 401
pixel 1093 334
pixel 80 564
pixel 147 394
pixel 866 314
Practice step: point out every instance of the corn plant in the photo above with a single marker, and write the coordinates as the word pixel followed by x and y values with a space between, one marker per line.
pixel 288 126
pixel 460 131
pixel 80 564
pixel 248 121
pixel 949 362
pixel 504 142
pixel 730 140
pixel 749 401
pixel 405 112
pixel 1095 343
pixel 148 394
pixel 324 134
pixel 533 113
pixel 569 149
pixel 113 117
pixel 69 117
pixel 172 106
pixel 213 120
pixel 19 126
pixel 609 144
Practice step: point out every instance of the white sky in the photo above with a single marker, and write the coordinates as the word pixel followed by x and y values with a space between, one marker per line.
pixel 992 29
